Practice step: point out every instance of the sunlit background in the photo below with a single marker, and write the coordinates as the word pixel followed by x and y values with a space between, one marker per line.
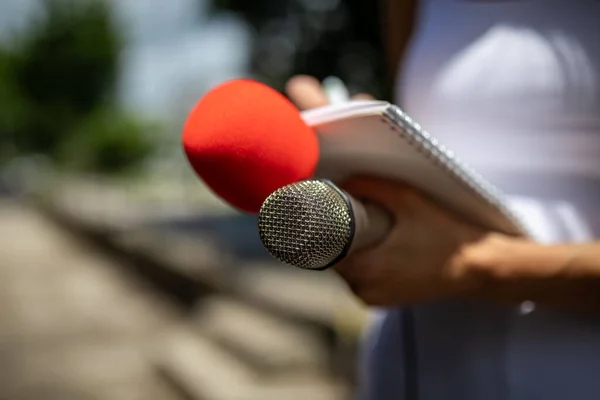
pixel 121 276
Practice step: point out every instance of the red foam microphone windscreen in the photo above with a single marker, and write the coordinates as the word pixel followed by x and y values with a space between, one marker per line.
pixel 245 140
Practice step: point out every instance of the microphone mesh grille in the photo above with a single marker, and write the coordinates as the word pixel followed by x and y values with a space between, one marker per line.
pixel 306 224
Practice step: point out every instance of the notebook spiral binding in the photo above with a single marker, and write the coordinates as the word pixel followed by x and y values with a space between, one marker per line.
pixel 444 158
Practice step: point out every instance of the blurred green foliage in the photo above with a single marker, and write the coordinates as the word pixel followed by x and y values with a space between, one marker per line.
pixel 110 141
pixel 70 57
pixel 56 79
pixel 318 38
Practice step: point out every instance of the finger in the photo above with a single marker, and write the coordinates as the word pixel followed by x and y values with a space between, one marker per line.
pixel 386 193
pixel 362 96
pixel 306 92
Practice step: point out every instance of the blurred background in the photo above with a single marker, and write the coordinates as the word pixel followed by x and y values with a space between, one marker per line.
pixel 121 275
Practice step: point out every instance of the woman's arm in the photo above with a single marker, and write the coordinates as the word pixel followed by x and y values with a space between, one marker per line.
pixel 506 257
pixel 564 276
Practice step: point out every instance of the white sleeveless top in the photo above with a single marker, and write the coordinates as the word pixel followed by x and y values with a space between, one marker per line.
pixel 513 87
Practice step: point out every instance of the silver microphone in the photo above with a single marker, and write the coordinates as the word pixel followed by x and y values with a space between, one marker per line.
pixel 314 225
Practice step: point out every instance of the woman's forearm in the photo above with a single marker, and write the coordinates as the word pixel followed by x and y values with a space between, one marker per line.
pixel 505 257
pixel 582 260
pixel 561 276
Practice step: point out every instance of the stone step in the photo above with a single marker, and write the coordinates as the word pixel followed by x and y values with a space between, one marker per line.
pixel 309 297
pixel 201 370
pixel 73 325
pixel 301 389
pixel 316 297
pixel 196 259
pixel 267 342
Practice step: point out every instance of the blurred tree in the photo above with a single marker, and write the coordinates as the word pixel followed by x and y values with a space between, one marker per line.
pixel 316 37
pixel 111 141
pixel 65 66
pixel 348 44
pixel 255 12
pixel 12 106
pixel 71 56
pixel 56 82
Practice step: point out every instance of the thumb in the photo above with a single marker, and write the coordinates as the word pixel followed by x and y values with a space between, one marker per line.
pixel 306 92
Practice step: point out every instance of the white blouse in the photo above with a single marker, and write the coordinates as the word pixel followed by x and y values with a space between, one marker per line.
pixel 513 87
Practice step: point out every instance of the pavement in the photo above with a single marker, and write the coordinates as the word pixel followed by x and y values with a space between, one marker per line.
pixel 73 325
pixel 263 331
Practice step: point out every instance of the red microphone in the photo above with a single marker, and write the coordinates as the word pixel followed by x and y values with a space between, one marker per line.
pixel 245 140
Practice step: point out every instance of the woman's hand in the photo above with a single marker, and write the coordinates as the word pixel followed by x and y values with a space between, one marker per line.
pixel 421 259
pixel 307 92
pixel 415 262
pixel 431 255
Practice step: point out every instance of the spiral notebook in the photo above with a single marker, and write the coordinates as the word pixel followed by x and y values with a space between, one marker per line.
pixel 376 138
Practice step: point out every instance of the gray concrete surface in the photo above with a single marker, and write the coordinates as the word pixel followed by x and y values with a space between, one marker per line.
pixel 72 325
pixel 205 372
pixel 225 353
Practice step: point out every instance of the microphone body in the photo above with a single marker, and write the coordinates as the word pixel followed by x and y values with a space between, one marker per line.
pixel 313 224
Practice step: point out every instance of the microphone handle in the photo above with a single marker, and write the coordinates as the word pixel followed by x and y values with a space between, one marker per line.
pixel 371 224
